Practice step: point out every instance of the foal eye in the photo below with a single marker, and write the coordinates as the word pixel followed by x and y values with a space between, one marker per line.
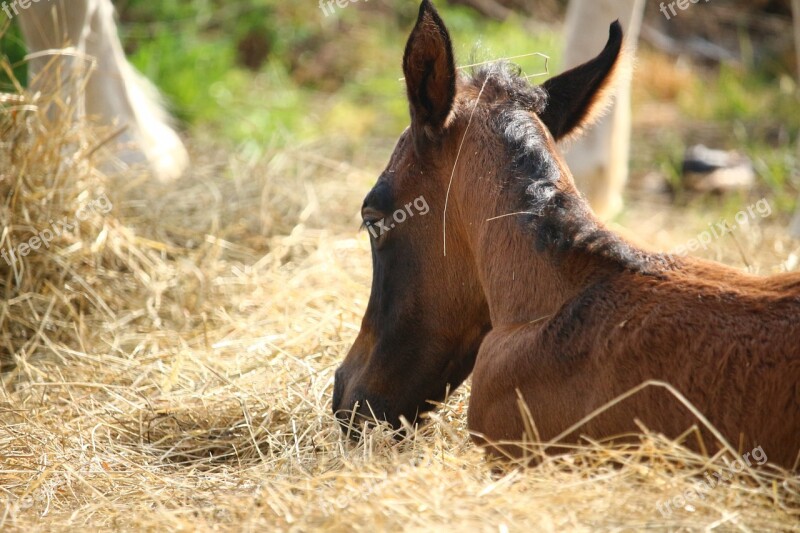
pixel 373 227
pixel 371 217
pixel 374 223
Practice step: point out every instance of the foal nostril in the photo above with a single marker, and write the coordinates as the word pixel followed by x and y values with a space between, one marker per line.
pixel 353 406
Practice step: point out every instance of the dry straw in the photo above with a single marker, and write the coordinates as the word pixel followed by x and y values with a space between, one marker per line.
pixel 173 361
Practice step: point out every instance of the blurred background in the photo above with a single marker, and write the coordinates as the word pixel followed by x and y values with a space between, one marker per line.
pixel 253 76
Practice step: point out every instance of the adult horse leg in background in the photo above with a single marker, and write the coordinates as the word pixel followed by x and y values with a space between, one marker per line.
pixel 599 159
pixel 115 93
pixel 56 42
pixel 795 228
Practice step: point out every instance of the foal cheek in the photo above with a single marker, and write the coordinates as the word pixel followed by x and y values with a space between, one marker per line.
pixel 338 390
pixel 361 352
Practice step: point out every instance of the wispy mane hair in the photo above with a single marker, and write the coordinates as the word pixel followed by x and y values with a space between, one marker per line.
pixel 559 220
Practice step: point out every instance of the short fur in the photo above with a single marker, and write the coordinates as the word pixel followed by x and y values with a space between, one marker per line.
pixel 541 300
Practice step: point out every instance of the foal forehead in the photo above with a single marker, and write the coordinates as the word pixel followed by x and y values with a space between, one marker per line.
pixel 403 144
pixel 491 106
pixel 381 196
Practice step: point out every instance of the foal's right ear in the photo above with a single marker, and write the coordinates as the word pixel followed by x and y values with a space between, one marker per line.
pixel 579 96
pixel 430 72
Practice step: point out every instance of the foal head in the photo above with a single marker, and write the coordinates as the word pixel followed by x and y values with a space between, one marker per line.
pixel 427 313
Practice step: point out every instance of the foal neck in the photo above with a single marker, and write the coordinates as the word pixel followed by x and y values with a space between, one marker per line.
pixel 537 243
pixel 522 282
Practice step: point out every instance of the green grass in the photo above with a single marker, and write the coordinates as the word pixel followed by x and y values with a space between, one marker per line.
pixel 13 47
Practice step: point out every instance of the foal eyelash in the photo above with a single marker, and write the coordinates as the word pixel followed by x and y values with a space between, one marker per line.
pixel 364 226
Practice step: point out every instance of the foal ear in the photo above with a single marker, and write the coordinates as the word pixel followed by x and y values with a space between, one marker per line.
pixel 430 73
pixel 579 96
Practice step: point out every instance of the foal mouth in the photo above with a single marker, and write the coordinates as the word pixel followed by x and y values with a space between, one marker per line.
pixel 355 425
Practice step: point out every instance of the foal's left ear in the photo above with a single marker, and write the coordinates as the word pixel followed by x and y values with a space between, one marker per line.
pixel 579 96
pixel 430 74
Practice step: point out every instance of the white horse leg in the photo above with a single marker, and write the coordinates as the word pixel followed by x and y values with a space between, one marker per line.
pixel 115 93
pixel 58 66
pixel 118 91
pixel 599 159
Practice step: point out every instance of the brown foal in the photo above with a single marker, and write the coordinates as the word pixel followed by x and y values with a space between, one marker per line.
pixel 513 278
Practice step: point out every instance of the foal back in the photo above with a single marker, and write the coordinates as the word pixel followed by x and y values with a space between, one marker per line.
pixel 730 343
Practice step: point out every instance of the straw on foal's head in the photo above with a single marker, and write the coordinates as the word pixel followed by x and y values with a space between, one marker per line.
pixel 427 313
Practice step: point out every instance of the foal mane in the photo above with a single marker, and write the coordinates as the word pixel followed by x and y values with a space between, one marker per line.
pixel 559 219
